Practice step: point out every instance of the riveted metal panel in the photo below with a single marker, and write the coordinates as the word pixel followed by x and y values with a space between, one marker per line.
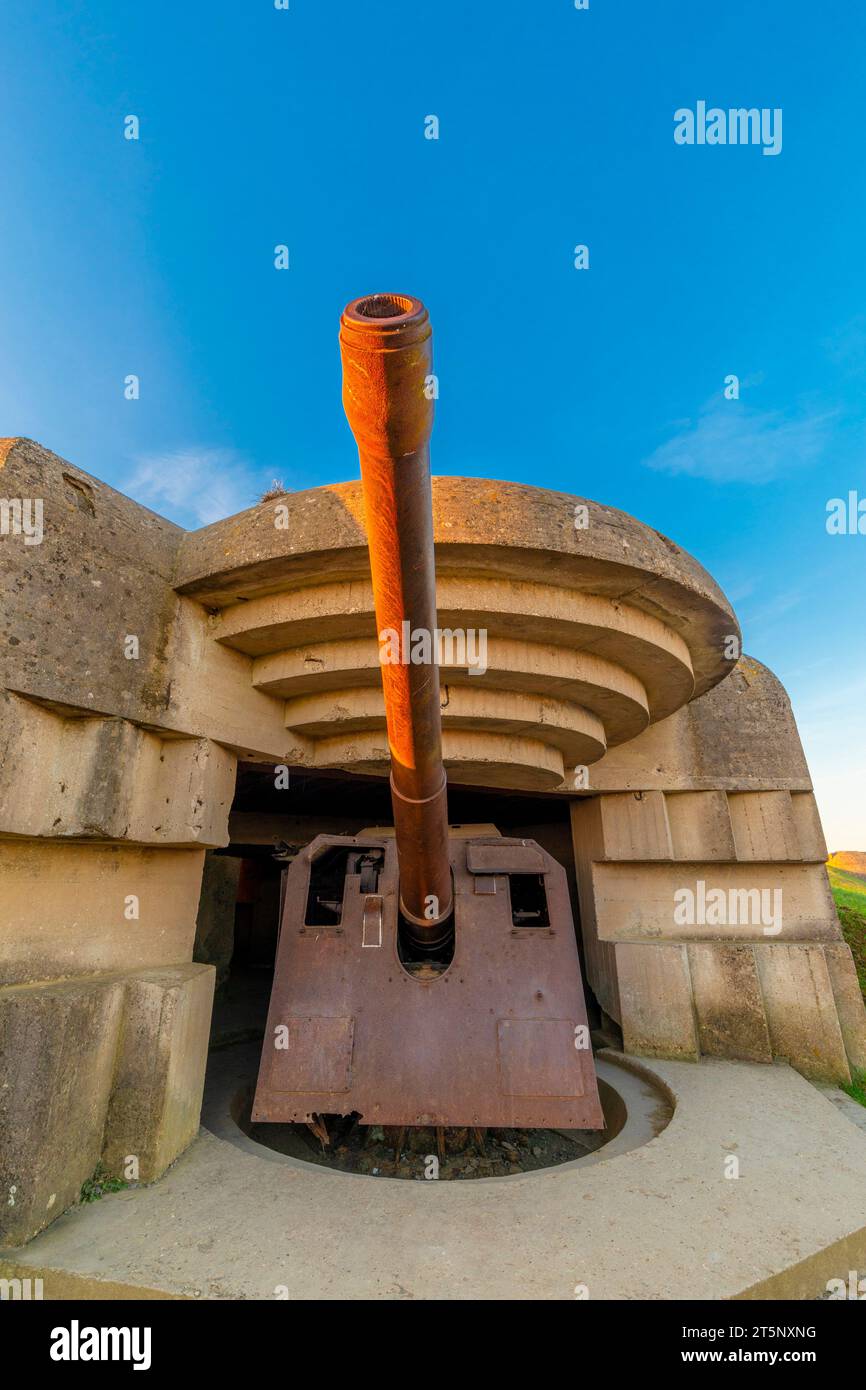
pixel 490 1042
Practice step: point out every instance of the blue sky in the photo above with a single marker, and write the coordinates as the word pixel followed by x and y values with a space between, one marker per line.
pixel 306 127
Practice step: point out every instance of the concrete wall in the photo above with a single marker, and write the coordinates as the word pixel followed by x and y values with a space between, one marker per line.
pixel 718 799
pixel 110 793
pixel 101 1072
pixel 104 1021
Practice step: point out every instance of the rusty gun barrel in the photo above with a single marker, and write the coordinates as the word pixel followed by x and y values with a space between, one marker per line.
pixel 385 344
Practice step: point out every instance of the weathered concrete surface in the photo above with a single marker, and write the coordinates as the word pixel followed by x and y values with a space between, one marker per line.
pixel 807 825
pixel 767 976
pixel 501 530
pixel 639 903
pixel 659 1222
pixel 763 825
pixel 594 632
pixel 802 1014
pixel 850 1108
pixel 591 633
pixel 849 1002
pixel 700 826
pixel 96 1071
pixel 636 826
pixel 657 1012
pixel 739 736
pixel 795 1002
pixel 354 718
pixel 77 909
pixel 108 779
pixel 544 613
pixel 158 1078
pixel 729 1008
pixel 102 573
pixel 748 734
pixel 215 924
pixel 57 1050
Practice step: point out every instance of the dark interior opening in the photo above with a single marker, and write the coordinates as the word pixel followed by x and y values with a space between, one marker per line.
pixel 425 960
pixel 328 876
pixel 528 900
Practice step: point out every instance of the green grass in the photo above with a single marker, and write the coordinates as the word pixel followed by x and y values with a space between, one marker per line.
pixel 99 1184
pixel 849 889
pixel 849 893
pixel 857 1089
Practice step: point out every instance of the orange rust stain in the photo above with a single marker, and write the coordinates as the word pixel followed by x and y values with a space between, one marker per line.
pixel 6 447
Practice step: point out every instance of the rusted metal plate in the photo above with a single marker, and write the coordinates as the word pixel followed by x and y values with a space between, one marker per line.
pixel 313 1054
pixel 536 1056
pixel 520 857
pixel 499 1038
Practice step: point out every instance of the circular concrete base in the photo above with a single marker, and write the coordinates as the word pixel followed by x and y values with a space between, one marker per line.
pixel 636 1109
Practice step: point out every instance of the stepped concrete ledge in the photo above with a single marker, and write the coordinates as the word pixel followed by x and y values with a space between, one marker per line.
pixel 231 1220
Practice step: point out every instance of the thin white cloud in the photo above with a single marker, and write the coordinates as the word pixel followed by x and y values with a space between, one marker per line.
pixel 767 614
pixel 730 442
pixel 741 588
pixel 194 486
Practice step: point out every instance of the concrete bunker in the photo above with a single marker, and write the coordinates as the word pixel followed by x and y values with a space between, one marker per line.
pixel 614 688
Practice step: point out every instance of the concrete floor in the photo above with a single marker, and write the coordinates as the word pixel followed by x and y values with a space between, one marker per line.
pixel 658 1221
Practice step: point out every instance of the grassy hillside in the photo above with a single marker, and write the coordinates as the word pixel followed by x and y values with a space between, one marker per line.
pixel 849 892
pixel 854 860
